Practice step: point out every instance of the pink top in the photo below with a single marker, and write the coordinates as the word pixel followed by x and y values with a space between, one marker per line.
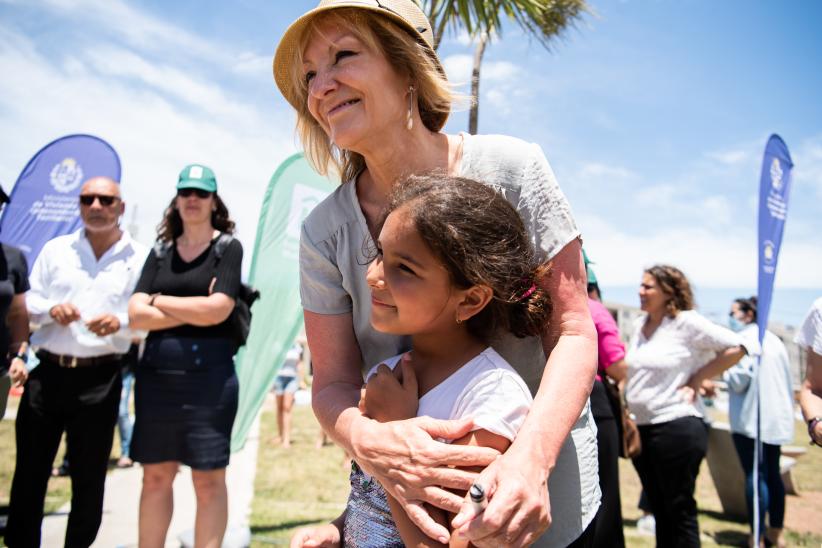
pixel 610 346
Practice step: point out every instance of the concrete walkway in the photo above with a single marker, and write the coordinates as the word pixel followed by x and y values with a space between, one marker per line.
pixel 121 504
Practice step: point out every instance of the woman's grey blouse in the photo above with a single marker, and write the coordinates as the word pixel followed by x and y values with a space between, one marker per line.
pixel 334 254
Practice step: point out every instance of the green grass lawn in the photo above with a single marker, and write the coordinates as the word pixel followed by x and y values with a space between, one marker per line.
pixel 304 485
pixel 59 490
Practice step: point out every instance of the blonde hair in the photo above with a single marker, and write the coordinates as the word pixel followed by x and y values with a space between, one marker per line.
pixel 408 56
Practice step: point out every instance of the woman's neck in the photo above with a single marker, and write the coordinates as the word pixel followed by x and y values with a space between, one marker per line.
pixel 196 234
pixel 437 356
pixel 404 153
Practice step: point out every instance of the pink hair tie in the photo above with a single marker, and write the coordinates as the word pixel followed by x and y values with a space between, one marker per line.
pixel 527 293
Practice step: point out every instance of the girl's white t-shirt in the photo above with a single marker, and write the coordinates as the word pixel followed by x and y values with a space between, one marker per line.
pixel 486 389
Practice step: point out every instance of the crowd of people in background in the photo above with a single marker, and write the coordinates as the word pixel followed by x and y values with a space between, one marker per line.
pixel 460 351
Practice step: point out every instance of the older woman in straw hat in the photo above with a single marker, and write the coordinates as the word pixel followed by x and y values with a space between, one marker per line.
pixel 371 100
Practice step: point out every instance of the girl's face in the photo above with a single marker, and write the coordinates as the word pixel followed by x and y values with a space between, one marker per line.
pixel 651 298
pixel 411 291
pixel 353 93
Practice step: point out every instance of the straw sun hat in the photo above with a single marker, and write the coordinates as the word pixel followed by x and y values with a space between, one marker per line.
pixel 405 13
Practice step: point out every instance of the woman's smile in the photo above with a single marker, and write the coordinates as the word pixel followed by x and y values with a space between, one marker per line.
pixel 341 107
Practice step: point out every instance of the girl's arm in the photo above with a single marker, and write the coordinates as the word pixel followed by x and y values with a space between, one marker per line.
pixel 411 535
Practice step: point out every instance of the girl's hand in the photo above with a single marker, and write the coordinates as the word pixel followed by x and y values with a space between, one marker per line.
pixel 321 536
pixel 518 510
pixel 391 395
pixel 414 468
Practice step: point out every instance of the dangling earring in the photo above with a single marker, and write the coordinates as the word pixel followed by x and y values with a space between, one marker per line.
pixel 409 124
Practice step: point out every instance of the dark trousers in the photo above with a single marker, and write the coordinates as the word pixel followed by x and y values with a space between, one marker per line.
pixel 668 466
pixel 608 529
pixel 83 402
pixel 771 488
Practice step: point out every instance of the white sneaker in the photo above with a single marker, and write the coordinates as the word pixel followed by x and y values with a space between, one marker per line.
pixel 646 526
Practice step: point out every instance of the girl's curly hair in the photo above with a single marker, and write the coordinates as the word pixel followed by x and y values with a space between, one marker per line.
pixel 481 240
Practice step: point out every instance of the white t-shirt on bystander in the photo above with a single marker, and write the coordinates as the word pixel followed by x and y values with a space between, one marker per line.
pixel 810 334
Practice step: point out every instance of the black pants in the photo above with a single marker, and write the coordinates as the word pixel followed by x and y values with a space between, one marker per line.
pixel 608 530
pixel 83 402
pixel 668 466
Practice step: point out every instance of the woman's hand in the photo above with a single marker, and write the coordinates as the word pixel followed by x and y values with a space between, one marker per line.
pixel 391 395
pixel 414 468
pixel 518 510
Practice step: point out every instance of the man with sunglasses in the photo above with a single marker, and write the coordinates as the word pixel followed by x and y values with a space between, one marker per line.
pixel 78 302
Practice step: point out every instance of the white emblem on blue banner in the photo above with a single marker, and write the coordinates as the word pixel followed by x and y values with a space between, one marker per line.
pixel 776 174
pixel 66 176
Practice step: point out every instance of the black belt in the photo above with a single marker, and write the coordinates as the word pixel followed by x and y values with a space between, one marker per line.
pixel 64 360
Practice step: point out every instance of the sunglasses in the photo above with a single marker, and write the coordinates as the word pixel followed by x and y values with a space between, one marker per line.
pixel 186 192
pixel 105 201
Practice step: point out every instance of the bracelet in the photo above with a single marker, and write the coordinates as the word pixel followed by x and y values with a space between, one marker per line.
pixel 23 356
pixel 811 427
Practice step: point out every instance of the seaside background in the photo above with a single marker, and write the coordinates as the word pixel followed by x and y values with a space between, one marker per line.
pixel 788 307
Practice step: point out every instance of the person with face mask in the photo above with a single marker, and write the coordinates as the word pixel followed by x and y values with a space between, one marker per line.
pixel 772 377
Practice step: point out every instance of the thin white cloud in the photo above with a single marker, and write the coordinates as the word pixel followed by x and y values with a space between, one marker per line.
pixel 596 170
pixel 458 68
pixel 145 32
pixel 254 64
pixel 709 258
pixel 44 98
pixel 732 157
pixel 178 83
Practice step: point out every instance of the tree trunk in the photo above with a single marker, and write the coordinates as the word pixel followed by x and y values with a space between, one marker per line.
pixel 473 115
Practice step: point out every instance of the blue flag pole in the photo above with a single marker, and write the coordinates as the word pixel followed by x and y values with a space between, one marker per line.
pixel 774 189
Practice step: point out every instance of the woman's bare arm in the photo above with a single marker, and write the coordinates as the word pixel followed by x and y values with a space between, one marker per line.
pixel 520 510
pixel 723 360
pixel 200 311
pixel 810 395
pixel 143 316
pixel 17 320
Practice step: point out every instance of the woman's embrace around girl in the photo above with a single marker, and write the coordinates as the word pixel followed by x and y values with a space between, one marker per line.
pixel 452 265
pixel 371 99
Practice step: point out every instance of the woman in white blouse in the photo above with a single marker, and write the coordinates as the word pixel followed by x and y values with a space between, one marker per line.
pixel 672 351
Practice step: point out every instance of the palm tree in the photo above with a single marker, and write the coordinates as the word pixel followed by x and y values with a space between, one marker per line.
pixel 543 20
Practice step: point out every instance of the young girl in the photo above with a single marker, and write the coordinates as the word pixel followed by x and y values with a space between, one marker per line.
pixel 453 266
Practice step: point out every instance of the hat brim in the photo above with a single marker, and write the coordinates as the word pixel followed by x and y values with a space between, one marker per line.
pixel 196 183
pixel 287 48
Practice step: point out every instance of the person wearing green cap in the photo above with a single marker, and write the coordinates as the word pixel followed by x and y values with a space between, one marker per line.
pixel 186 388
pixel 372 99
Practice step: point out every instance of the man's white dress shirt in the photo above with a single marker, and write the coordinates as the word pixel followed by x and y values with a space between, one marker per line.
pixel 67 271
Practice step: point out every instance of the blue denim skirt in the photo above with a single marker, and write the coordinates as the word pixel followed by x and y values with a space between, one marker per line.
pixel 185 399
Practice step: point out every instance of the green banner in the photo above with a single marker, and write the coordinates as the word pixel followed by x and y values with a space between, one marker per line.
pixel 277 318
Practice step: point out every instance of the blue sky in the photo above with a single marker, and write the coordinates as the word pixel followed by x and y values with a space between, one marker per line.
pixel 654 114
